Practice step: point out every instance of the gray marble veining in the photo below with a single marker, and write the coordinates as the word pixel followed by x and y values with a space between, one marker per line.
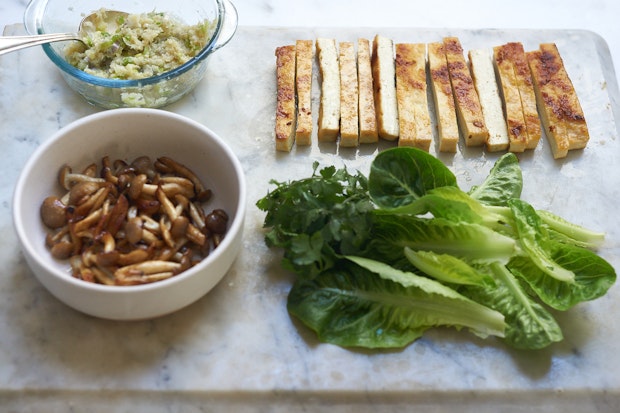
pixel 237 348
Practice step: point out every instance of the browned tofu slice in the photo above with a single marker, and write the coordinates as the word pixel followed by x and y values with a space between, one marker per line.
pixel 366 110
pixel 305 55
pixel 443 98
pixel 552 120
pixel 413 114
pixel 513 109
pixel 578 134
pixel 468 108
pixel 561 112
pixel 349 96
pixel 329 107
pixel 527 94
pixel 285 107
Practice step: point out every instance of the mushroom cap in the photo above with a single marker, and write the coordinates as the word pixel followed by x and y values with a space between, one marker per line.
pixel 53 212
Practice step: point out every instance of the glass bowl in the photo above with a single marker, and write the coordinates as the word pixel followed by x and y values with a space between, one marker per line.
pixel 64 16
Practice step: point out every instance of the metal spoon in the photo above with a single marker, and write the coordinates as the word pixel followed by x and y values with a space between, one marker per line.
pixel 13 43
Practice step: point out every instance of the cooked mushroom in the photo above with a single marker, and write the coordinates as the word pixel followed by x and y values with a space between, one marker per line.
pixel 53 212
pixel 184 172
pixel 89 202
pixel 147 271
pixel 62 250
pixel 136 186
pixel 144 166
pixel 134 257
pixel 179 226
pixel 133 230
pixel 67 178
pixel 90 170
pixel 217 221
pixel 118 215
pixel 133 223
pixel 106 170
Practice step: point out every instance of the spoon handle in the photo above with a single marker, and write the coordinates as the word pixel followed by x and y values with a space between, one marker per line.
pixel 13 43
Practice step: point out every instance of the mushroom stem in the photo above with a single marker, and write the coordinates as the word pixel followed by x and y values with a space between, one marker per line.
pixel 67 178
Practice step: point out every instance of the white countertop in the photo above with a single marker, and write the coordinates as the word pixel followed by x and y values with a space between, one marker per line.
pixel 254 357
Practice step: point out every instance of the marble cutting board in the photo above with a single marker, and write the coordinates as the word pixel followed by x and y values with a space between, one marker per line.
pixel 237 348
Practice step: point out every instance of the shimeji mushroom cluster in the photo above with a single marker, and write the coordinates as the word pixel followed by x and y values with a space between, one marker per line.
pixel 129 223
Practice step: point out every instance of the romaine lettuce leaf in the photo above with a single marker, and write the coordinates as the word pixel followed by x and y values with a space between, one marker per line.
pixel 593 276
pixel 473 243
pixel 398 176
pixel 370 304
pixel 568 232
pixel 535 241
pixel 528 324
pixel 505 182
pixel 447 268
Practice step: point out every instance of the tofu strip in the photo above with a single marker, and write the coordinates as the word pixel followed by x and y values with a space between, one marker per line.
pixel 443 98
pixel 366 109
pixel 329 108
pixel 483 75
pixel 413 114
pixel 349 96
pixel 468 108
pixel 384 86
pixel 285 106
pixel 305 54
pixel 509 87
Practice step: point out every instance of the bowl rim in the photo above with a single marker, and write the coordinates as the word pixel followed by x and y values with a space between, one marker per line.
pixel 235 229
pixel 34 26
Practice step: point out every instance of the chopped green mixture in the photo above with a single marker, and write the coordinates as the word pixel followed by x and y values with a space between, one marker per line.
pixel 137 46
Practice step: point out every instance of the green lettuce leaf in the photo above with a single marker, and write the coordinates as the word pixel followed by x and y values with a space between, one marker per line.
pixel 398 176
pixel 571 233
pixel 504 182
pixel 473 243
pixel 536 242
pixel 447 268
pixel 593 276
pixel 369 304
pixel 453 204
pixel 528 324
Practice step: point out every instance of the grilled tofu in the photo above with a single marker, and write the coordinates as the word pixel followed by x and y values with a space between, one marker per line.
pixel 468 108
pixel 349 96
pixel 384 86
pixel 329 107
pixel 517 130
pixel 413 114
pixel 304 56
pixel 527 94
pixel 368 132
pixel 559 106
pixel 483 75
pixel 443 98
pixel 285 107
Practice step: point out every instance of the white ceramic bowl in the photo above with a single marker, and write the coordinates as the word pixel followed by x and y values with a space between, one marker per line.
pixel 127 134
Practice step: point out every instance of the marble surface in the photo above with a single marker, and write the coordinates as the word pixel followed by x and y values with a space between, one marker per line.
pixel 237 348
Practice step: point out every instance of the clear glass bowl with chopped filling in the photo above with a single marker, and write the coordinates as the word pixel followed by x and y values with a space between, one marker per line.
pixel 138 81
